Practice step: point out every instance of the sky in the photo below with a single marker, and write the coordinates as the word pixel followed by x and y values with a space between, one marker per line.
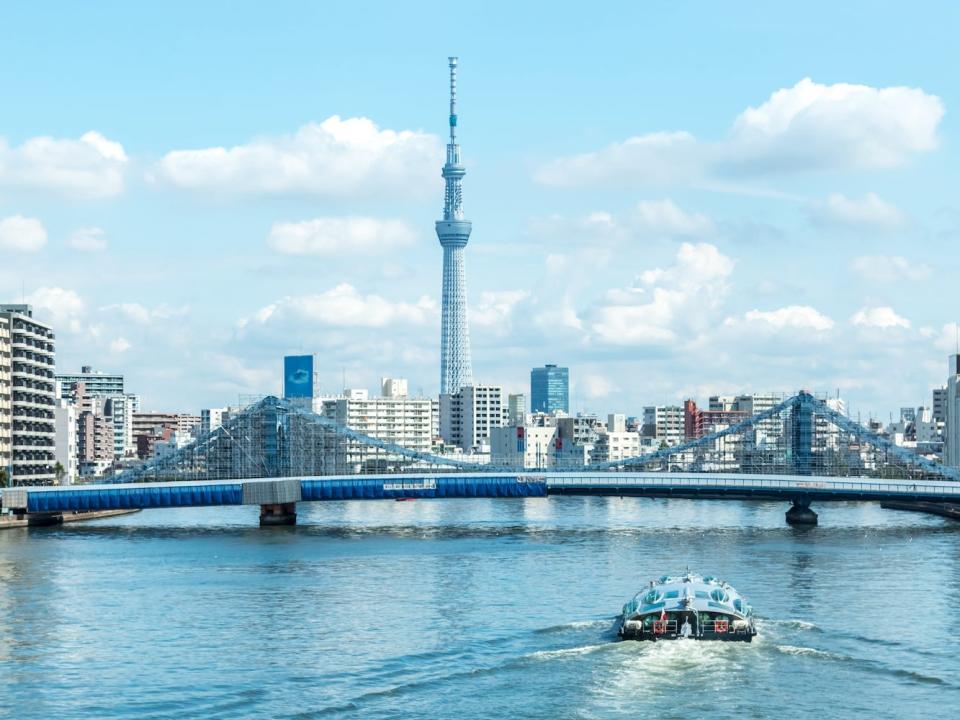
pixel 672 199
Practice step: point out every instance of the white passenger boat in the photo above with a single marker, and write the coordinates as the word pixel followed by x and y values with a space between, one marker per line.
pixel 687 606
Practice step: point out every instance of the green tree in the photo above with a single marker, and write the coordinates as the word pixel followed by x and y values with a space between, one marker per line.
pixel 4 477
pixel 59 471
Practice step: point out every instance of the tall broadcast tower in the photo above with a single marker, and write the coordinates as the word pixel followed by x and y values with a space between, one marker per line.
pixel 454 232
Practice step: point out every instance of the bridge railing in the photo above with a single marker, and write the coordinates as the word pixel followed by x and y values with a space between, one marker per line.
pixel 866 486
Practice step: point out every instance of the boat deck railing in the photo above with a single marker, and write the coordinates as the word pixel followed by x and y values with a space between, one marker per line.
pixel 707 627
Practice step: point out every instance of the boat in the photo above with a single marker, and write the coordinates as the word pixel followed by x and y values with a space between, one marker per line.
pixel 687 606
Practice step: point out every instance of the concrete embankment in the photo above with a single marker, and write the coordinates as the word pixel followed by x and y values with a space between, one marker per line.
pixel 942 509
pixel 12 521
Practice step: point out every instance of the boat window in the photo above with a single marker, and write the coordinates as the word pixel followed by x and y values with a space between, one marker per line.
pixel 738 604
pixel 652 597
pixel 702 594
pixel 672 594
pixel 719 595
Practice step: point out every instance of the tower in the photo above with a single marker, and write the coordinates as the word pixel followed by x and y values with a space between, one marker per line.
pixel 453 231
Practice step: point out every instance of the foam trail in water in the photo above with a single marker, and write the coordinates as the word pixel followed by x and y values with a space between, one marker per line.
pixel 639 669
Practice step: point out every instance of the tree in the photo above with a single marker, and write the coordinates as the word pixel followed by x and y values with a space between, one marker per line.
pixel 59 471
pixel 4 477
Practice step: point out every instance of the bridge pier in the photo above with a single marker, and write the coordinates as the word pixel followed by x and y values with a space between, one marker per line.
pixel 800 514
pixel 277 500
pixel 42 519
pixel 278 514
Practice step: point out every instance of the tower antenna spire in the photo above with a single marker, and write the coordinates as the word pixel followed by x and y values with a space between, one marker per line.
pixel 453 100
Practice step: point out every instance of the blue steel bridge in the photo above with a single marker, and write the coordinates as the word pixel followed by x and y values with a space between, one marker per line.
pixel 278 453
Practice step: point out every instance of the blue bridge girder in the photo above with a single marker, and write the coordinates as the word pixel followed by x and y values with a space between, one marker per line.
pixel 484 485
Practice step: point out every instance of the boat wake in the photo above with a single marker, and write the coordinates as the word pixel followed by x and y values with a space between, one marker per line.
pixel 607 622
pixel 568 652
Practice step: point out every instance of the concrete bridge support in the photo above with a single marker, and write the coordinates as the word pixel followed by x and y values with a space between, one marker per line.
pixel 277 500
pixel 278 514
pixel 800 514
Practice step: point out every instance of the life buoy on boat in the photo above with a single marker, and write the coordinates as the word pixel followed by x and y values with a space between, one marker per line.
pixel 721 626
pixel 659 627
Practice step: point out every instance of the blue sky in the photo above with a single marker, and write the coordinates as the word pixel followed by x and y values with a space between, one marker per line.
pixel 674 199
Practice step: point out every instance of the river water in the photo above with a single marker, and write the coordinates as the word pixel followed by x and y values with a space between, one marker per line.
pixel 475 609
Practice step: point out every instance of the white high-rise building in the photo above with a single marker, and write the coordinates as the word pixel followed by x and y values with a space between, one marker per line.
pixel 531 446
pixel 402 421
pixel 393 387
pixel 212 418
pixel 119 406
pixel 6 398
pixel 517 409
pixel 30 366
pixel 616 442
pixel 65 421
pixel 951 429
pixel 468 416
pixel 96 382
pixel 120 409
pixel 769 431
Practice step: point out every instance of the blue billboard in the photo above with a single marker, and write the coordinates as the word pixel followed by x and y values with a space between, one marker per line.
pixel 298 376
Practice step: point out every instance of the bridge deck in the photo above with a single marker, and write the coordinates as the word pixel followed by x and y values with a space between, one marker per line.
pixel 527 484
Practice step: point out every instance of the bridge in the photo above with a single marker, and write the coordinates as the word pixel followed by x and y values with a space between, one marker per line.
pixel 277 496
pixel 277 453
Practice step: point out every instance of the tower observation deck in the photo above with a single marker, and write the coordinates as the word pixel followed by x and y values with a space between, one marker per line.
pixel 454 231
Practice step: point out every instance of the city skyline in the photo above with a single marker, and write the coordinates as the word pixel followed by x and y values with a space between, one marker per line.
pixel 660 242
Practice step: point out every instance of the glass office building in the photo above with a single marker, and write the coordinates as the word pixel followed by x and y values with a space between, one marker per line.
pixel 550 389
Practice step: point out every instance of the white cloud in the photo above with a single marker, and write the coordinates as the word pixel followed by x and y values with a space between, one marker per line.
pixel 336 158
pixel 663 217
pixel 495 309
pixel 792 317
pixel 596 386
pixel 879 317
pixel 947 340
pixel 119 345
pixel 22 234
pixel 647 219
pixel 833 127
pixel 665 300
pixel 61 307
pixel 89 167
pixel 888 269
pixel 660 158
pixel 868 213
pixel 340 236
pixel 141 315
pixel 91 239
pixel 343 306
pixel 233 375
pixel 807 127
